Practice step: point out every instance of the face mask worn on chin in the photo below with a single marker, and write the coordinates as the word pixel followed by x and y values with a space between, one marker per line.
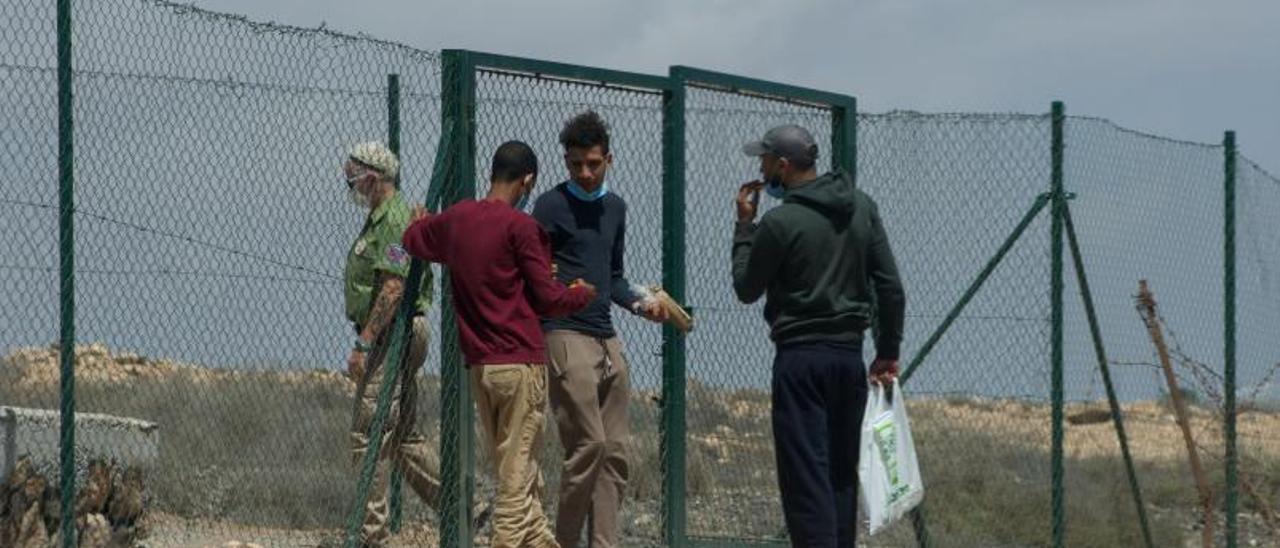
pixel 578 192
pixel 773 187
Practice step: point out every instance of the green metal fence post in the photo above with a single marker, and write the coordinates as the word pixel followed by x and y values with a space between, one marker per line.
pixel 396 491
pixel 844 154
pixel 918 519
pixel 1103 365
pixel 394 357
pixel 390 365
pixel 67 275
pixel 1229 334
pixel 673 280
pixel 393 114
pixel 456 431
pixel 462 72
pixel 844 136
pixel 1058 198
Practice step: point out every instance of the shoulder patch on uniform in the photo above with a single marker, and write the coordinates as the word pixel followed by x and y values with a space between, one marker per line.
pixel 396 255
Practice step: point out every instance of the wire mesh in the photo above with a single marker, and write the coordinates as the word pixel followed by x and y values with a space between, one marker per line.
pixel 533 110
pixel 1258 355
pixel 1140 203
pixel 730 473
pixel 951 189
pixel 212 229
pixel 1138 198
pixel 28 208
pixel 420 114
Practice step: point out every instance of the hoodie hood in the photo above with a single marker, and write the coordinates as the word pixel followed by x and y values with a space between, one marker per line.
pixel 832 194
pixel 821 259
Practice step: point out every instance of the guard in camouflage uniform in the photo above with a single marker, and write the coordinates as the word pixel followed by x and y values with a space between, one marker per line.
pixel 374 283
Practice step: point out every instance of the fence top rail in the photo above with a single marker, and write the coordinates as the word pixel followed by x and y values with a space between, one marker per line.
pixel 567 72
pixel 763 89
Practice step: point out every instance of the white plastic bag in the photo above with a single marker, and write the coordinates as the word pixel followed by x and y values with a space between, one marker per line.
pixel 888 473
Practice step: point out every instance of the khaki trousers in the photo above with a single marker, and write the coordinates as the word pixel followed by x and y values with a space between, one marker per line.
pixel 511 402
pixel 590 389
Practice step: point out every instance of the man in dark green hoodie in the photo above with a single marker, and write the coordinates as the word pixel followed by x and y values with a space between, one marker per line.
pixel 822 259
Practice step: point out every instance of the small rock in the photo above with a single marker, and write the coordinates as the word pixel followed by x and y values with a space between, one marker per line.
pixel 130 358
pixel 95 531
pixel 95 349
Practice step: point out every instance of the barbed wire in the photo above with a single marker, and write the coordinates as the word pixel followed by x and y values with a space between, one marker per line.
pixel 176 236
pixel 167 272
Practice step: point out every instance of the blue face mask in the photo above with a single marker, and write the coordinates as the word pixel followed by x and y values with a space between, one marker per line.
pixel 776 190
pixel 773 186
pixel 578 192
pixel 523 203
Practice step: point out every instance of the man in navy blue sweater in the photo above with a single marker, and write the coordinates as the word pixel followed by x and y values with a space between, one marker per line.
pixel 590 384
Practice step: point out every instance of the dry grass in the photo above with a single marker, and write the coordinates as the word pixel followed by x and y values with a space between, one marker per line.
pixel 268 450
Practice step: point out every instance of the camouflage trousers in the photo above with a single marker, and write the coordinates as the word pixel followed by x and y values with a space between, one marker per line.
pixel 403 448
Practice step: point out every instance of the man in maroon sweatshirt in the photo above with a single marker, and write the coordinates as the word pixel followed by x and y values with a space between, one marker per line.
pixel 500 261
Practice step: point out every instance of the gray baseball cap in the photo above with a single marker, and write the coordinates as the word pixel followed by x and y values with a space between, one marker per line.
pixel 787 141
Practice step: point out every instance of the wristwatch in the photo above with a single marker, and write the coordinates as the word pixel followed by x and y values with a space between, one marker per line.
pixel 362 346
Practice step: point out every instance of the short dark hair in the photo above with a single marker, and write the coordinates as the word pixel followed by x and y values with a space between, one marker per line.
pixel 513 160
pixel 585 130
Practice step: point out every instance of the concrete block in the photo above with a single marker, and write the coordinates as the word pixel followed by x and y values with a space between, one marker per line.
pixel 35 432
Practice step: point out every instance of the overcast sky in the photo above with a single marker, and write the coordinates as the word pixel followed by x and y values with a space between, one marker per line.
pixel 1178 68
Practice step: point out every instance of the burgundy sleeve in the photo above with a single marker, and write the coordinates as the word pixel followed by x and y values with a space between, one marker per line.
pixel 425 239
pixel 548 296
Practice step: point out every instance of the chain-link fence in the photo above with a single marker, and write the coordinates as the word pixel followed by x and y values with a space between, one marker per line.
pixel 530 108
pixel 1257 281
pixel 1137 200
pixel 211 230
pixel 954 189
pixel 730 472
pixel 29 211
